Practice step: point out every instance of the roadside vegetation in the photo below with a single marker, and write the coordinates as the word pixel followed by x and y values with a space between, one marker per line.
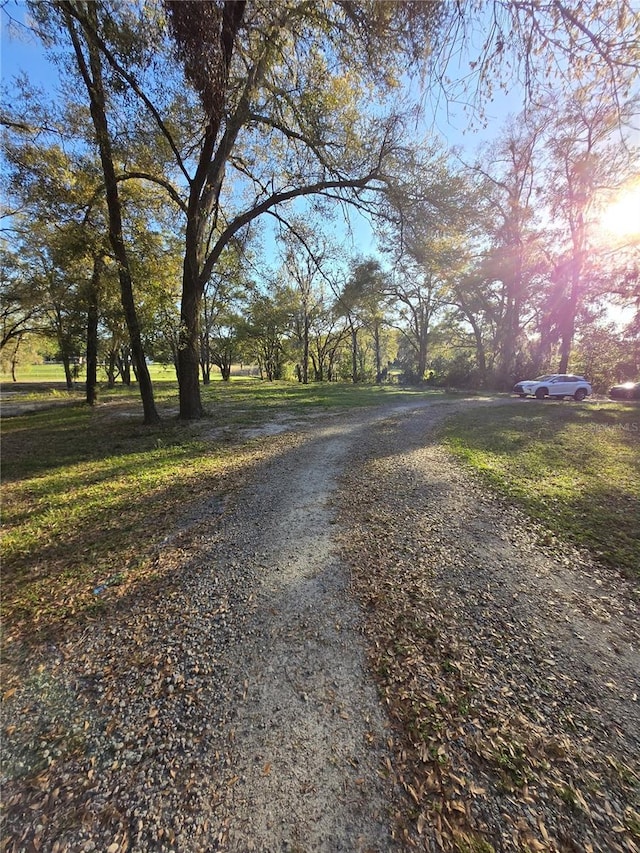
pixel 576 469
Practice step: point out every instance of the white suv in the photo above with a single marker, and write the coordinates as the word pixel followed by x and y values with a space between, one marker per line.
pixel 557 385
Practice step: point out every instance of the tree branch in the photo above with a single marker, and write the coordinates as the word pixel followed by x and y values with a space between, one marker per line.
pixel 161 182
pixel 275 199
pixel 113 62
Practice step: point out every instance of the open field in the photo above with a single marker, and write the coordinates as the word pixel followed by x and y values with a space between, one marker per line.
pixel 54 373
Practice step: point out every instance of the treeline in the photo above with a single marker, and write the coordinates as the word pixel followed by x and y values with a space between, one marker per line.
pixel 140 195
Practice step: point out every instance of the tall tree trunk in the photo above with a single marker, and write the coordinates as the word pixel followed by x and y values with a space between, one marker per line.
pixel 481 358
pixel 186 18
pixel 92 332
pixel 305 352
pixel 92 77
pixel 205 349
pixel 378 354
pixel 511 325
pixel 567 329
pixel 354 353
pixel 567 326
pixel 423 346
pixel 111 369
pixel 189 338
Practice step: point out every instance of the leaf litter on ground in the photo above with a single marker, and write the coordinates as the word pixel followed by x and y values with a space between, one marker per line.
pixel 511 735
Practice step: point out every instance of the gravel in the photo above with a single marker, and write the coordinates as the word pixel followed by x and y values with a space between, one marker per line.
pixel 231 704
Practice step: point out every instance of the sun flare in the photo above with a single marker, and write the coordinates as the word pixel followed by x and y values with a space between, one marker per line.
pixel 621 218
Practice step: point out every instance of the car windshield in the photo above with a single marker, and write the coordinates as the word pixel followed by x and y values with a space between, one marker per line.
pixel 545 378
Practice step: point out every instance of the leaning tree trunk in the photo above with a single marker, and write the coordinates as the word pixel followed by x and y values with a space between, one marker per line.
pixel 14 359
pixel 92 76
pixel 68 375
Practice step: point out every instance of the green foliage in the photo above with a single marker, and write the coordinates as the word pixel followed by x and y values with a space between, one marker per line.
pixel 576 469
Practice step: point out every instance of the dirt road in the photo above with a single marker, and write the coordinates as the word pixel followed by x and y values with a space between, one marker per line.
pixel 233 706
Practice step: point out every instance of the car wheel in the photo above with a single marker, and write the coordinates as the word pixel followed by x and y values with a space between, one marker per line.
pixel 541 393
pixel 580 395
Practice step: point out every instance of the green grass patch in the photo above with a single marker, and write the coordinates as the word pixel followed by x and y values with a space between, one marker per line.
pixel 54 373
pixel 574 468
pixel 86 498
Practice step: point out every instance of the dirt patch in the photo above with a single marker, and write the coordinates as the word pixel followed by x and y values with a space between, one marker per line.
pixel 230 705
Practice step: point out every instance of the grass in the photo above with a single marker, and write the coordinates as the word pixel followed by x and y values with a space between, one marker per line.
pixel 89 493
pixel 574 468
pixel 52 372
pixel 85 501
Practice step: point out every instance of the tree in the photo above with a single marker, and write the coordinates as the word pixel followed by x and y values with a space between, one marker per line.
pixel 21 303
pixel 278 106
pixel 362 303
pixel 81 21
pixel 224 299
pixel 585 158
pixel 60 223
pixel 269 325
pixel 293 99
pixel 547 47
pixel 510 184
pixel 227 342
pixel 307 257
pixel 57 186
pixel 421 293
pixel 328 334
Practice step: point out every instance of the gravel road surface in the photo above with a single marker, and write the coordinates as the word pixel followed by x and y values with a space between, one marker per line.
pixel 238 704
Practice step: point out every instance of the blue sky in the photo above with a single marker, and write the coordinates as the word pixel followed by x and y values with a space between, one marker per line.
pixel 23 53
